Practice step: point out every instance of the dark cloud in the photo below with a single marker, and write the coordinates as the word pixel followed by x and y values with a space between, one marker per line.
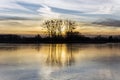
pixel 108 22
pixel 2 18
pixel 12 18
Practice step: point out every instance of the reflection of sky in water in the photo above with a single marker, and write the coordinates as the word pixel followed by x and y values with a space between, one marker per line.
pixel 60 62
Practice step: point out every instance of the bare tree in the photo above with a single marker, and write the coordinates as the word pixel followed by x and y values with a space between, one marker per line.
pixel 55 26
pixel 70 25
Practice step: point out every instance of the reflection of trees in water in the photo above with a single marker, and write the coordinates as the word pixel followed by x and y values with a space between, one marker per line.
pixel 59 56
pixel 36 47
pixel 13 47
pixel 74 47
pixel 8 48
pixel 70 52
pixel 104 46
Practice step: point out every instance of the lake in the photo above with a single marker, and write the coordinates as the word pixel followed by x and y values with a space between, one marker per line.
pixel 59 61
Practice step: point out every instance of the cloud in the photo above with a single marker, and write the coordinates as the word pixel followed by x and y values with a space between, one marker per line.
pixel 108 22
pixel 12 23
pixel 10 4
pixel 79 5
pixel 108 9
pixel 19 16
pixel 46 11
pixel 55 8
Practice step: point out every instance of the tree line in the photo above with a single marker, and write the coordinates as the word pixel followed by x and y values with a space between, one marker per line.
pixel 74 37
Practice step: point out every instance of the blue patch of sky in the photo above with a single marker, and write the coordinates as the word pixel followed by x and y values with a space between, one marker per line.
pixel 64 11
pixel 17 11
pixel 29 5
pixel 32 7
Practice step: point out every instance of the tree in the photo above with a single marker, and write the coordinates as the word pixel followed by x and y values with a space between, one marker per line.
pixel 70 25
pixel 55 26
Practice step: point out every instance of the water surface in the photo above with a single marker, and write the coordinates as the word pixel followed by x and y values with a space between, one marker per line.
pixel 60 62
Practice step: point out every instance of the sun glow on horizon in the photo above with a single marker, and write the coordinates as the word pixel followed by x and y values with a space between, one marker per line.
pixel 35 27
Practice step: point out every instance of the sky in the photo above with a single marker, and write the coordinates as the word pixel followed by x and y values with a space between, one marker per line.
pixel 25 16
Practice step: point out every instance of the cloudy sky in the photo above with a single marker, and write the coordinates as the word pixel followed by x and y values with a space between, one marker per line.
pixel 24 16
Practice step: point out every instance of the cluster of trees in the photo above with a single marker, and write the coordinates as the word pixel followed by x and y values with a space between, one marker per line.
pixel 56 27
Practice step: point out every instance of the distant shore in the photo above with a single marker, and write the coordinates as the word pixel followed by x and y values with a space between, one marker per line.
pixel 4 38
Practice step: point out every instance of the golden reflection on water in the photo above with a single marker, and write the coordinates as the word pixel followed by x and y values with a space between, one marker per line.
pixel 52 54
pixel 59 55
pixel 56 54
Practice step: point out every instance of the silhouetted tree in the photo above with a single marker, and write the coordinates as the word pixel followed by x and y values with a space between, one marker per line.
pixel 70 25
pixel 55 26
